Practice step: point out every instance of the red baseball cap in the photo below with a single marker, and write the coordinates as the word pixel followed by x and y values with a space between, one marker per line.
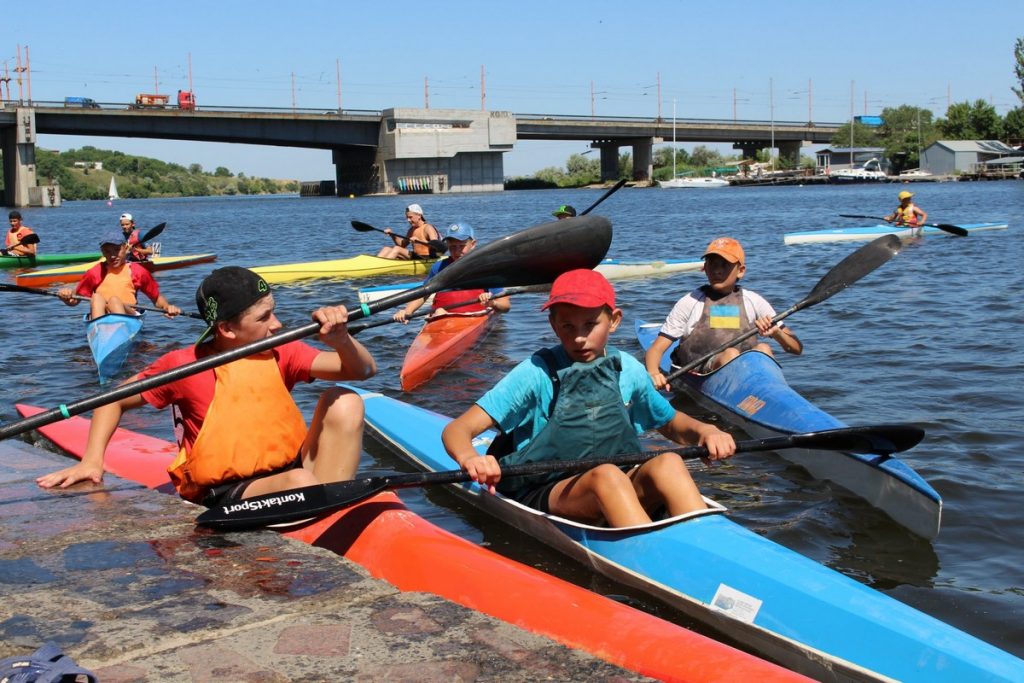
pixel 582 287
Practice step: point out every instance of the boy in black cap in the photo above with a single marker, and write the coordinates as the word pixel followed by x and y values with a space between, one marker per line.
pixel 241 434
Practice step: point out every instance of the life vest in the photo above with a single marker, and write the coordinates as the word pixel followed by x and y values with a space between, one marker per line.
pixel 446 299
pixel 133 247
pixel 588 420
pixel 906 216
pixel 252 427
pixel 719 322
pixel 118 285
pixel 421 250
pixel 16 236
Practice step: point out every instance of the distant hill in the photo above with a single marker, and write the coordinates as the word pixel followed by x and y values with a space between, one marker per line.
pixel 85 174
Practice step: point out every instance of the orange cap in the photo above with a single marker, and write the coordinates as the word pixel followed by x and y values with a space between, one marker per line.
pixel 727 248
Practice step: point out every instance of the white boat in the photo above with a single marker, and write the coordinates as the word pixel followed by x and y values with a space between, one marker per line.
pixel 911 174
pixel 112 192
pixel 870 172
pixel 684 182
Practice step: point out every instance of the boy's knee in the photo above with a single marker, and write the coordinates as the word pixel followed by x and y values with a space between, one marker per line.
pixel 297 478
pixel 342 408
pixel 607 477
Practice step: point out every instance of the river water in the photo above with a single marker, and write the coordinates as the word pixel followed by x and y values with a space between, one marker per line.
pixel 932 339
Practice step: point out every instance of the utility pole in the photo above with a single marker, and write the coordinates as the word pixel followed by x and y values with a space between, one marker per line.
pixel 156 82
pixel 483 89
pixel 293 92
pixel 810 101
pixel 771 100
pixel 190 75
pixel 19 69
pixel 337 75
pixel 659 96
pixel 426 93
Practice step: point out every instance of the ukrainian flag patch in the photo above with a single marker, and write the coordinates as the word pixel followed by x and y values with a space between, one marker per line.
pixel 725 317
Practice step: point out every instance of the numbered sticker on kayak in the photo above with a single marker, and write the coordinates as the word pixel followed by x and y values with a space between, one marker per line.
pixel 736 604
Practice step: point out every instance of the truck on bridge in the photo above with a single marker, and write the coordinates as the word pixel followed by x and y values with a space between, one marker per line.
pixel 186 101
pixel 83 102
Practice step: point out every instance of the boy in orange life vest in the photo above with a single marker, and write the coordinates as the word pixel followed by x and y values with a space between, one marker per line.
pixel 907 213
pixel 113 284
pixel 460 239
pixel 15 235
pixel 713 314
pixel 241 434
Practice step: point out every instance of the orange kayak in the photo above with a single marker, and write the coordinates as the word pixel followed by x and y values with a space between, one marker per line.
pixel 51 276
pixel 439 343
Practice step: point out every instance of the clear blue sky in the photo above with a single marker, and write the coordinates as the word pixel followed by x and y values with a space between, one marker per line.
pixel 538 57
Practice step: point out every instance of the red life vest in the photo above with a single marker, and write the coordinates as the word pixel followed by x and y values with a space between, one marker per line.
pixel 446 299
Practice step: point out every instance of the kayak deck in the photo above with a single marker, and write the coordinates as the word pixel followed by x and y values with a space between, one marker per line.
pixel 111 338
pixel 353 267
pixel 752 394
pixel 866 233
pixel 439 343
pixel 774 601
pixel 42 278
pixel 10 261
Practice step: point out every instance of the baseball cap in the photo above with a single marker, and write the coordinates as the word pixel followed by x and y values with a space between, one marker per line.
pixel 581 287
pixel 414 208
pixel 564 210
pixel 112 237
pixel 226 292
pixel 126 217
pixel 459 231
pixel 905 195
pixel 727 248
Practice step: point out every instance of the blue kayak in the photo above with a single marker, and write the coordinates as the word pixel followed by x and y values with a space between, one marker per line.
pixel 773 601
pixel 111 338
pixel 870 232
pixel 752 394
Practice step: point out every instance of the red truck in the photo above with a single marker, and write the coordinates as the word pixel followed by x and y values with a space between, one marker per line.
pixel 186 101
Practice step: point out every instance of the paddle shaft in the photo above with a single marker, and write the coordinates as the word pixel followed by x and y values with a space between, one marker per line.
pixel 603 197
pixel 948 227
pixel 359 327
pixel 32 290
pixel 436 245
pixel 842 275
pixel 532 256
pixel 298 504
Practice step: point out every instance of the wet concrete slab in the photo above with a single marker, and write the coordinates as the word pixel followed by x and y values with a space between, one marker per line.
pixel 125 583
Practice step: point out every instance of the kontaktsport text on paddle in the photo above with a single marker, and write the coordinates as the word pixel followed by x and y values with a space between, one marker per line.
pixel 533 256
pixel 4 287
pixel 311 501
pixel 948 227
pixel 842 275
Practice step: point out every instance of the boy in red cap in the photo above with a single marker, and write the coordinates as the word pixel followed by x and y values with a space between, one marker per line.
pixel 711 315
pixel 240 433
pixel 584 399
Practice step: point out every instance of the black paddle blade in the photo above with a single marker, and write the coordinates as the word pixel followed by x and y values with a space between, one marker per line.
pixel 152 233
pixel 883 439
pixel 364 227
pixel 952 229
pixel 533 256
pixel 30 239
pixel 853 267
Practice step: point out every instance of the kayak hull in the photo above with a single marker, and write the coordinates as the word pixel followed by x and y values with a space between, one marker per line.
pixel 42 278
pixel 439 343
pixel 752 394
pixel 867 233
pixel 47 259
pixel 766 597
pixel 354 267
pixel 613 269
pixel 111 338
pixel 396 545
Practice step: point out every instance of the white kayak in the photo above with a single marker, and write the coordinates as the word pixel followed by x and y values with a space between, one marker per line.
pixel 870 232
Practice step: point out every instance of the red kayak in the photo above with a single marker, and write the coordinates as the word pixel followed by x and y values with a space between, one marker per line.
pixel 396 545
pixel 442 339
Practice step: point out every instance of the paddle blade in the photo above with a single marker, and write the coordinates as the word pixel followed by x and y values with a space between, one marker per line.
pixel 152 233
pixel 852 268
pixel 883 439
pixel 30 239
pixel 952 229
pixel 533 256
pixel 364 227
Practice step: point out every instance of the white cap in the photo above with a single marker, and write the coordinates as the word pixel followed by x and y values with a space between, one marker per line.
pixel 126 216
pixel 414 208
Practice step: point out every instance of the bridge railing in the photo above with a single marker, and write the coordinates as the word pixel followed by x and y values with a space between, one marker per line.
pixel 171 106
pixel 668 121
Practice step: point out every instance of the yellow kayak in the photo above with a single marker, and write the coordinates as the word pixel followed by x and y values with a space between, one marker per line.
pixel 356 266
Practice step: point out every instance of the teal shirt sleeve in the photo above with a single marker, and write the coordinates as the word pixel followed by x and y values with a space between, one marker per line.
pixel 648 409
pixel 518 403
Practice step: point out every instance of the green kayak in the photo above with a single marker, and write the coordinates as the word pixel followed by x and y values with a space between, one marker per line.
pixel 47 259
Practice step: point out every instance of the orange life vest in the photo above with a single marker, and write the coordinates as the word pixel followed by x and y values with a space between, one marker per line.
pixel 119 285
pixel 906 216
pixel 252 427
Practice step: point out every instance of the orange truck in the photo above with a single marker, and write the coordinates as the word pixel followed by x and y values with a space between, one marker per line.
pixel 143 101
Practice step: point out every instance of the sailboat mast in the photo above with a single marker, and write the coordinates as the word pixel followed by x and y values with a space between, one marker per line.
pixel 673 139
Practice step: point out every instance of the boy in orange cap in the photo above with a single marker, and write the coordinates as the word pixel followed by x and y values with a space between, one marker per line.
pixel 583 399
pixel 907 214
pixel 713 314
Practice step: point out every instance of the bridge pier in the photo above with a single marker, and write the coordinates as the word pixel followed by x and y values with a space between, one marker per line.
pixel 789 151
pixel 18 144
pixel 643 160
pixel 642 153
pixel 354 170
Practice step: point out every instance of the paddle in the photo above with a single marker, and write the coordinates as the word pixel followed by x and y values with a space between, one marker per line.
pixel 437 245
pixel 28 240
pixel 533 256
pixel 32 290
pixel 603 197
pixel 842 275
pixel 359 327
pixel 952 229
pixel 152 233
pixel 310 501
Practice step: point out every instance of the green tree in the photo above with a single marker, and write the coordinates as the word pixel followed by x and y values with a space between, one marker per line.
pixel 1013 125
pixel 222 172
pixel 905 131
pixel 583 170
pixel 703 156
pixel 1018 68
pixel 966 121
pixel 863 136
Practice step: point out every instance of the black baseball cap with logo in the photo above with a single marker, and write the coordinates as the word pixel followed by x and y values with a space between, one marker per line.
pixel 225 293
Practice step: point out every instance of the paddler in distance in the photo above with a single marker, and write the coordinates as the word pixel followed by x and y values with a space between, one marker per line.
pixel 240 433
pixel 112 285
pixel 18 232
pixel 137 251
pixel 419 230
pixel 583 399
pixel 907 214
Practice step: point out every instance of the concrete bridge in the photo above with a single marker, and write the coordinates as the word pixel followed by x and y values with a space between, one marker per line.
pixel 394 150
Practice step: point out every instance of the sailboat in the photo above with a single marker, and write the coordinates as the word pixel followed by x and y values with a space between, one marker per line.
pixel 112 192
pixel 676 181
